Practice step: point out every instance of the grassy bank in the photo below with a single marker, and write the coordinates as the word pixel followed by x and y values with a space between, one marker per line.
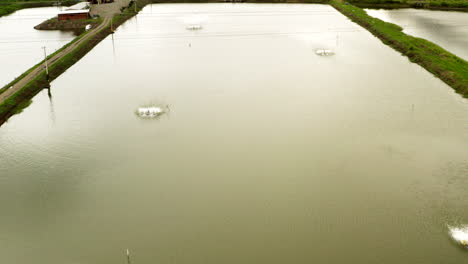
pixel 443 64
pixel 239 1
pixel 21 99
pixel 76 26
pixel 459 5
pixel 9 6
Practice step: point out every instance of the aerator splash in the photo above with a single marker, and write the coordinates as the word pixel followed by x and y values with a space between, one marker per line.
pixel 194 27
pixel 153 111
pixel 459 235
pixel 324 52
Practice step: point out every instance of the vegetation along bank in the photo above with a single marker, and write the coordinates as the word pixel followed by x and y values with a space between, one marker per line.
pixel 455 5
pixel 10 6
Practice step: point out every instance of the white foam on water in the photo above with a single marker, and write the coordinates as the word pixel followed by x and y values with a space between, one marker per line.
pixel 324 52
pixel 150 111
pixel 459 234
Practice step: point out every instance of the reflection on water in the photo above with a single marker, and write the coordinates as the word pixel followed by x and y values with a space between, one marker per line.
pixel 271 154
pixel 52 110
pixel 446 28
pixel 21 43
pixel 113 45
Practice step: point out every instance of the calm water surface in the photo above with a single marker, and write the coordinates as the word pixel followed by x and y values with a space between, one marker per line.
pixel 21 45
pixel 448 29
pixel 270 153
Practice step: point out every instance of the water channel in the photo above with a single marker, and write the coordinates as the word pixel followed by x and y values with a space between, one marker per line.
pixel 448 29
pixel 269 153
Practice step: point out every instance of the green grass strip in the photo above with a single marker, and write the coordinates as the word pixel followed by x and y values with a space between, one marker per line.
pixel 457 5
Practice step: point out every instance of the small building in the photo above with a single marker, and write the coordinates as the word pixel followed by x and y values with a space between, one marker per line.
pixel 78 11
pixel 74 14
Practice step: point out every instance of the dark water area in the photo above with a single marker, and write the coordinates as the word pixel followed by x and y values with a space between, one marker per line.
pixel 268 153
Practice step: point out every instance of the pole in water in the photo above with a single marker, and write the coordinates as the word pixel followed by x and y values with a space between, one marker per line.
pixel 46 66
pixel 128 256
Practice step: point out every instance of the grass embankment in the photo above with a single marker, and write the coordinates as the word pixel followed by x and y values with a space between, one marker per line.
pixel 443 64
pixel 459 5
pixel 10 6
pixel 240 1
pixel 76 26
pixel 21 99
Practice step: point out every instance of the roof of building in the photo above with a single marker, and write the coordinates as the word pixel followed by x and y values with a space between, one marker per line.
pixel 84 11
pixel 79 6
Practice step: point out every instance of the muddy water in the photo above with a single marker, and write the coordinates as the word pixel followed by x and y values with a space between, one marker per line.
pixel 21 45
pixel 446 28
pixel 269 154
